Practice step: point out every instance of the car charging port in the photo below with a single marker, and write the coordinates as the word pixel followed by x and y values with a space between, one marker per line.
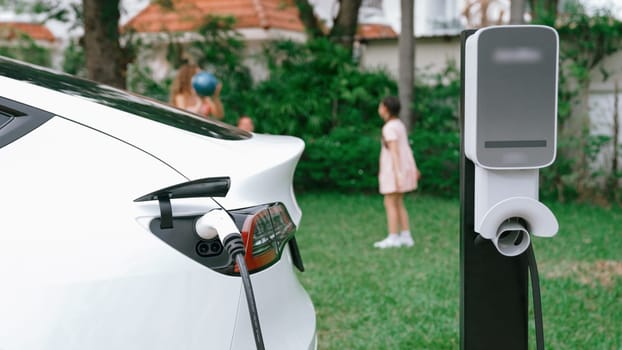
pixel 208 248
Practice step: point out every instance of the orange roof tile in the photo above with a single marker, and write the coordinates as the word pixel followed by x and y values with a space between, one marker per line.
pixel 188 15
pixel 12 30
pixel 375 31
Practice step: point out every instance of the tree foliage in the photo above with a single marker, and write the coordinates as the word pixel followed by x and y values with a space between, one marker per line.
pixel 544 11
pixel 26 49
pixel 317 93
pixel 585 41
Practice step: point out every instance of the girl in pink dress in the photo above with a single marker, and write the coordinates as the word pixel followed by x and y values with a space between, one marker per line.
pixel 398 174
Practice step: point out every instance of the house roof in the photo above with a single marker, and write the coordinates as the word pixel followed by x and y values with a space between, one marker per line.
pixel 370 31
pixel 188 15
pixel 13 30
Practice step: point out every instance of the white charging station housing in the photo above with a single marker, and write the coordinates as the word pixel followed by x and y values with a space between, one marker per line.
pixel 511 96
pixel 510 108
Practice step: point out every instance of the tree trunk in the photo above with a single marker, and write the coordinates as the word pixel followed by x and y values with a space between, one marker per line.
pixel 346 23
pixel 308 18
pixel 614 179
pixel 517 11
pixel 407 62
pixel 103 54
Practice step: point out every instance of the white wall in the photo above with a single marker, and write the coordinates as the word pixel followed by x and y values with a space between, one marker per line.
pixel 602 114
pixel 154 54
pixel 380 55
pixel 613 65
pixel 431 54
pixel 602 105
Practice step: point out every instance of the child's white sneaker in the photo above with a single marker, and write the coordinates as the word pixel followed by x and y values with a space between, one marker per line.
pixel 391 241
pixel 406 239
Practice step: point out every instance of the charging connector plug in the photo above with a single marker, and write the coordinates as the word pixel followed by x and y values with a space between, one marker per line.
pixel 234 245
pixel 219 223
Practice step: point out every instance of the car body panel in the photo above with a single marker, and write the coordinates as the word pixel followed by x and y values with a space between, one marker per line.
pixel 92 276
pixel 271 295
pixel 86 273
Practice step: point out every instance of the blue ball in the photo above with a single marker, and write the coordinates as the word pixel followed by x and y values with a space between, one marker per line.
pixel 204 83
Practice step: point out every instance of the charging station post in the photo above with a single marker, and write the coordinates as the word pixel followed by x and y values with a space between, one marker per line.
pixel 493 288
pixel 508 131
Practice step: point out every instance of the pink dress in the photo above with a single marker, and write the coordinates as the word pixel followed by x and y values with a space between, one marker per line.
pixel 394 130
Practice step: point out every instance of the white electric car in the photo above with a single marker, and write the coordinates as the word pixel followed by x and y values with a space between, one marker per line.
pixel 100 193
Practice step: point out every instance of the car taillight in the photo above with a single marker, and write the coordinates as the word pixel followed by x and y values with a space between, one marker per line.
pixel 265 230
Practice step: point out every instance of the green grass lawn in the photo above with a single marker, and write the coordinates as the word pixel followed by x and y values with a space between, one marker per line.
pixel 408 298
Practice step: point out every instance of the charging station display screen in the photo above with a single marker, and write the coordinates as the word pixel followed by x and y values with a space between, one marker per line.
pixel 516 97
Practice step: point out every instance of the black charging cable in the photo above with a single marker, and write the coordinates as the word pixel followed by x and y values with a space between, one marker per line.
pixel 235 247
pixel 250 299
pixel 535 291
pixel 537 302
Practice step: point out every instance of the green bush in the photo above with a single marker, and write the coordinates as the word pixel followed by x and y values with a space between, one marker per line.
pixel 139 80
pixel 436 136
pixel 586 39
pixel 342 160
pixel 317 93
pixel 74 61
pixel 27 49
pixel 314 88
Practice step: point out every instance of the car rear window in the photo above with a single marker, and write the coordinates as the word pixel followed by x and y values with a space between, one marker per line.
pixel 119 99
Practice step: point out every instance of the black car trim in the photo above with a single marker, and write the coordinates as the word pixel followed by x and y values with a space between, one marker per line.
pixel 296 257
pixel 207 187
pixel 19 120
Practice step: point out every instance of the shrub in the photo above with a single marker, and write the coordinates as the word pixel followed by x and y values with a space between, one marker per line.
pixel 27 49
pixel 317 93
pixel 314 88
pixel 140 80
pixel 436 136
pixel 74 61
pixel 343 160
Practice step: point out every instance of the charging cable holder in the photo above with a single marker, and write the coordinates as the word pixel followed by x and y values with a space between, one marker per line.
pixel 507 210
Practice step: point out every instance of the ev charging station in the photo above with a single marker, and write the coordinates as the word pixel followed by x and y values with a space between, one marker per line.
pixel 508 132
